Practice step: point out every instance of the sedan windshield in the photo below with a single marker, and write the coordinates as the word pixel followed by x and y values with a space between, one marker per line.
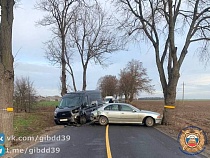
pixel 70 102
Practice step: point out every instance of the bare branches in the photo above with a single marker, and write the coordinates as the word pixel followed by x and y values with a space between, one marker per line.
pixel 59 15
pixel 92 34
pixel 79 28
pixel 159 21
pixel 199 24
pixel 155 16
pixel 24 94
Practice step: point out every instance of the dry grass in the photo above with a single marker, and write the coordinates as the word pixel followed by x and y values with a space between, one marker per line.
pixel 39 122
pixel 29 124
pixel 189 113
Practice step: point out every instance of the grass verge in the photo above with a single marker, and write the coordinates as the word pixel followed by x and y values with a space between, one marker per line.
pixel 29 124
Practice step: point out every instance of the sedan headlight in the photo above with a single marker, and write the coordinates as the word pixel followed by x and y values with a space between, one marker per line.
pixel 159 116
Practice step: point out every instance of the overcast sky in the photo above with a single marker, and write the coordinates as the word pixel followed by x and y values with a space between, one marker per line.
pixel 30 61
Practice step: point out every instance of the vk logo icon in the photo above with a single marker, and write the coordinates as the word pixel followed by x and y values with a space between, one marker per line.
pixel 2 138
pixel 2 150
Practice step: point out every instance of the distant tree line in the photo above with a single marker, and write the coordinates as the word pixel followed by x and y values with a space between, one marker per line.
pixel 132 80
pixel 151 98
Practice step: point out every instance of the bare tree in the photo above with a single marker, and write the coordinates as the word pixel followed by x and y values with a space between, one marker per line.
pixel 6 68
pixel 59 16
pixel 134 79
pixel 163 22
pixel 24 94
pixel 92 36
pixel 53 54
pixel 108 85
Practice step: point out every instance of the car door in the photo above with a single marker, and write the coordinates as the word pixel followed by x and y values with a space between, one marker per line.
pixel 112 113
pixel 128 114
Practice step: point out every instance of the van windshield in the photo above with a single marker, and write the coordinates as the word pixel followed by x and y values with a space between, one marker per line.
pixel 69 102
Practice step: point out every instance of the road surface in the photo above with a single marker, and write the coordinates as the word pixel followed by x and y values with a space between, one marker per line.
pixel 113 141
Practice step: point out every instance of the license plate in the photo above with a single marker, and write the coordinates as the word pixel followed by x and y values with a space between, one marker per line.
pixel 63 119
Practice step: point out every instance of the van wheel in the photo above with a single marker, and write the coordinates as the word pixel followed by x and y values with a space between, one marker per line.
pixel 103 120
pixel 82 120
pixel 57 123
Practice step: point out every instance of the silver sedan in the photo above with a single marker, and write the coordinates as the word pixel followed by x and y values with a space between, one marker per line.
pixel 124 113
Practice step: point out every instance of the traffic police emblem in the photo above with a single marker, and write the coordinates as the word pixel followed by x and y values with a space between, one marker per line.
pixel 192 140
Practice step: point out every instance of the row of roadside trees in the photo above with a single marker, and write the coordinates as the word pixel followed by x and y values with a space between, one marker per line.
pixel 85 31
pixel 158 22
pixel 82 31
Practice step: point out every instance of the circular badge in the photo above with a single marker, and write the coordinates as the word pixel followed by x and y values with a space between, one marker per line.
pixel 192 140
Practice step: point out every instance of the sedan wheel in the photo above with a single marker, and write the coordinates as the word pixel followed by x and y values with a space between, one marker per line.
pixel 149 122
pixel 103 120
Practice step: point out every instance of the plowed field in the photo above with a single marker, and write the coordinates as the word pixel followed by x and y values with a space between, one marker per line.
pixel 187 113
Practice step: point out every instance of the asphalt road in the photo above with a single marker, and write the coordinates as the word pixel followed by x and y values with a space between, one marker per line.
pixel 116 141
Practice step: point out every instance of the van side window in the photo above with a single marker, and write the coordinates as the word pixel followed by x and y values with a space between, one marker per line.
pixel 86 100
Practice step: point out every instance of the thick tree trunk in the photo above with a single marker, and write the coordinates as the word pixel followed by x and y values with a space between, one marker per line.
pixel 131 98
pixel 63 67
pixel 74 83
pixel 63 79
pixel 6 69
pixel 168 112
pixel 170 99
pixel 84 78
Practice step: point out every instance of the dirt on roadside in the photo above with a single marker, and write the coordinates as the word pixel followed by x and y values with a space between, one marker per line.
pixel 187 113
